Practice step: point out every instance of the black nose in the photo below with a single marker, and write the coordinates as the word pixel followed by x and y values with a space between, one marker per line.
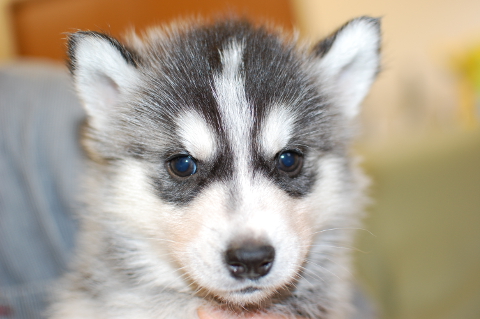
pixel 249 261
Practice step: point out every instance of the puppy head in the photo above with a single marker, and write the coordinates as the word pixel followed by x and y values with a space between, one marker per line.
pixel 226 145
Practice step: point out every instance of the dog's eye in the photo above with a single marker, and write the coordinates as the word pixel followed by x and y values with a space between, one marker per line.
pixel 183 166
pixel 290 162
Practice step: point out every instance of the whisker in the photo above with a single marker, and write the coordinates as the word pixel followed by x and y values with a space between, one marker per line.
pixel 339 247
pixel 311 273
pixel 353 228
pixel 340 266
pixel 324 268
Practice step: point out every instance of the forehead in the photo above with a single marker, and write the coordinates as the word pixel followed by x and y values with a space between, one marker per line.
pixel 272 74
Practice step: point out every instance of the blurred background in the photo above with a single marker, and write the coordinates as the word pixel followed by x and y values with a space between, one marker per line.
pixel 420 137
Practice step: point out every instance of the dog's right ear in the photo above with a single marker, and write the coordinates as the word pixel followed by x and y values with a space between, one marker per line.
pixel 349 61
pixel 103 70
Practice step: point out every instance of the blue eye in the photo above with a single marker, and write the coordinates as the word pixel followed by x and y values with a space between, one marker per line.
pixel 290 162
pixel 183 166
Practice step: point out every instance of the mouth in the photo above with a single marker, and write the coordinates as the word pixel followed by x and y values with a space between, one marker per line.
pixel 250 296
pixel 244 301
pixel 248 290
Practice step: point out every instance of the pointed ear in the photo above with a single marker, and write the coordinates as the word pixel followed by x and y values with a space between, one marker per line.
pixel 349 61
pixel 103 70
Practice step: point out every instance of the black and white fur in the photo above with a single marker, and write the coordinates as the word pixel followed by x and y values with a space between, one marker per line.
pixel 233 96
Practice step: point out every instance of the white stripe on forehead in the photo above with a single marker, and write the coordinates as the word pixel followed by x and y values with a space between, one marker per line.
pixel 232 102
pixel 276 130
pixel 197 137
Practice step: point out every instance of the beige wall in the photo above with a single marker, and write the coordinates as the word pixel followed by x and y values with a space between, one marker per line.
pixel 6 41
pixel 417 89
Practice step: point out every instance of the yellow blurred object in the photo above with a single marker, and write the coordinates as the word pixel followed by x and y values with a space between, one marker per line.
pixel 469 87
pixel 471 67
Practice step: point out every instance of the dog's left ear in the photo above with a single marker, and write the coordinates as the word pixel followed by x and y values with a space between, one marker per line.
pixel 103 70
pixel 349 61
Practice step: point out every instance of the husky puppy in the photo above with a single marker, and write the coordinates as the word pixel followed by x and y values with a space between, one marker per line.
pixel 219 171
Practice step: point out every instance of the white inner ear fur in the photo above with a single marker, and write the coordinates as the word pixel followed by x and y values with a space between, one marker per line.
pixel 350 66
pixel 102 75
pixel 197 137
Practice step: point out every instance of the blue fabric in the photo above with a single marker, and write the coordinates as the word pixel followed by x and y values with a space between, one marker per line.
pixel 39 163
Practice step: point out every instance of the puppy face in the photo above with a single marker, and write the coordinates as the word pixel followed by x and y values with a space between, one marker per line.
pixel 225 146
